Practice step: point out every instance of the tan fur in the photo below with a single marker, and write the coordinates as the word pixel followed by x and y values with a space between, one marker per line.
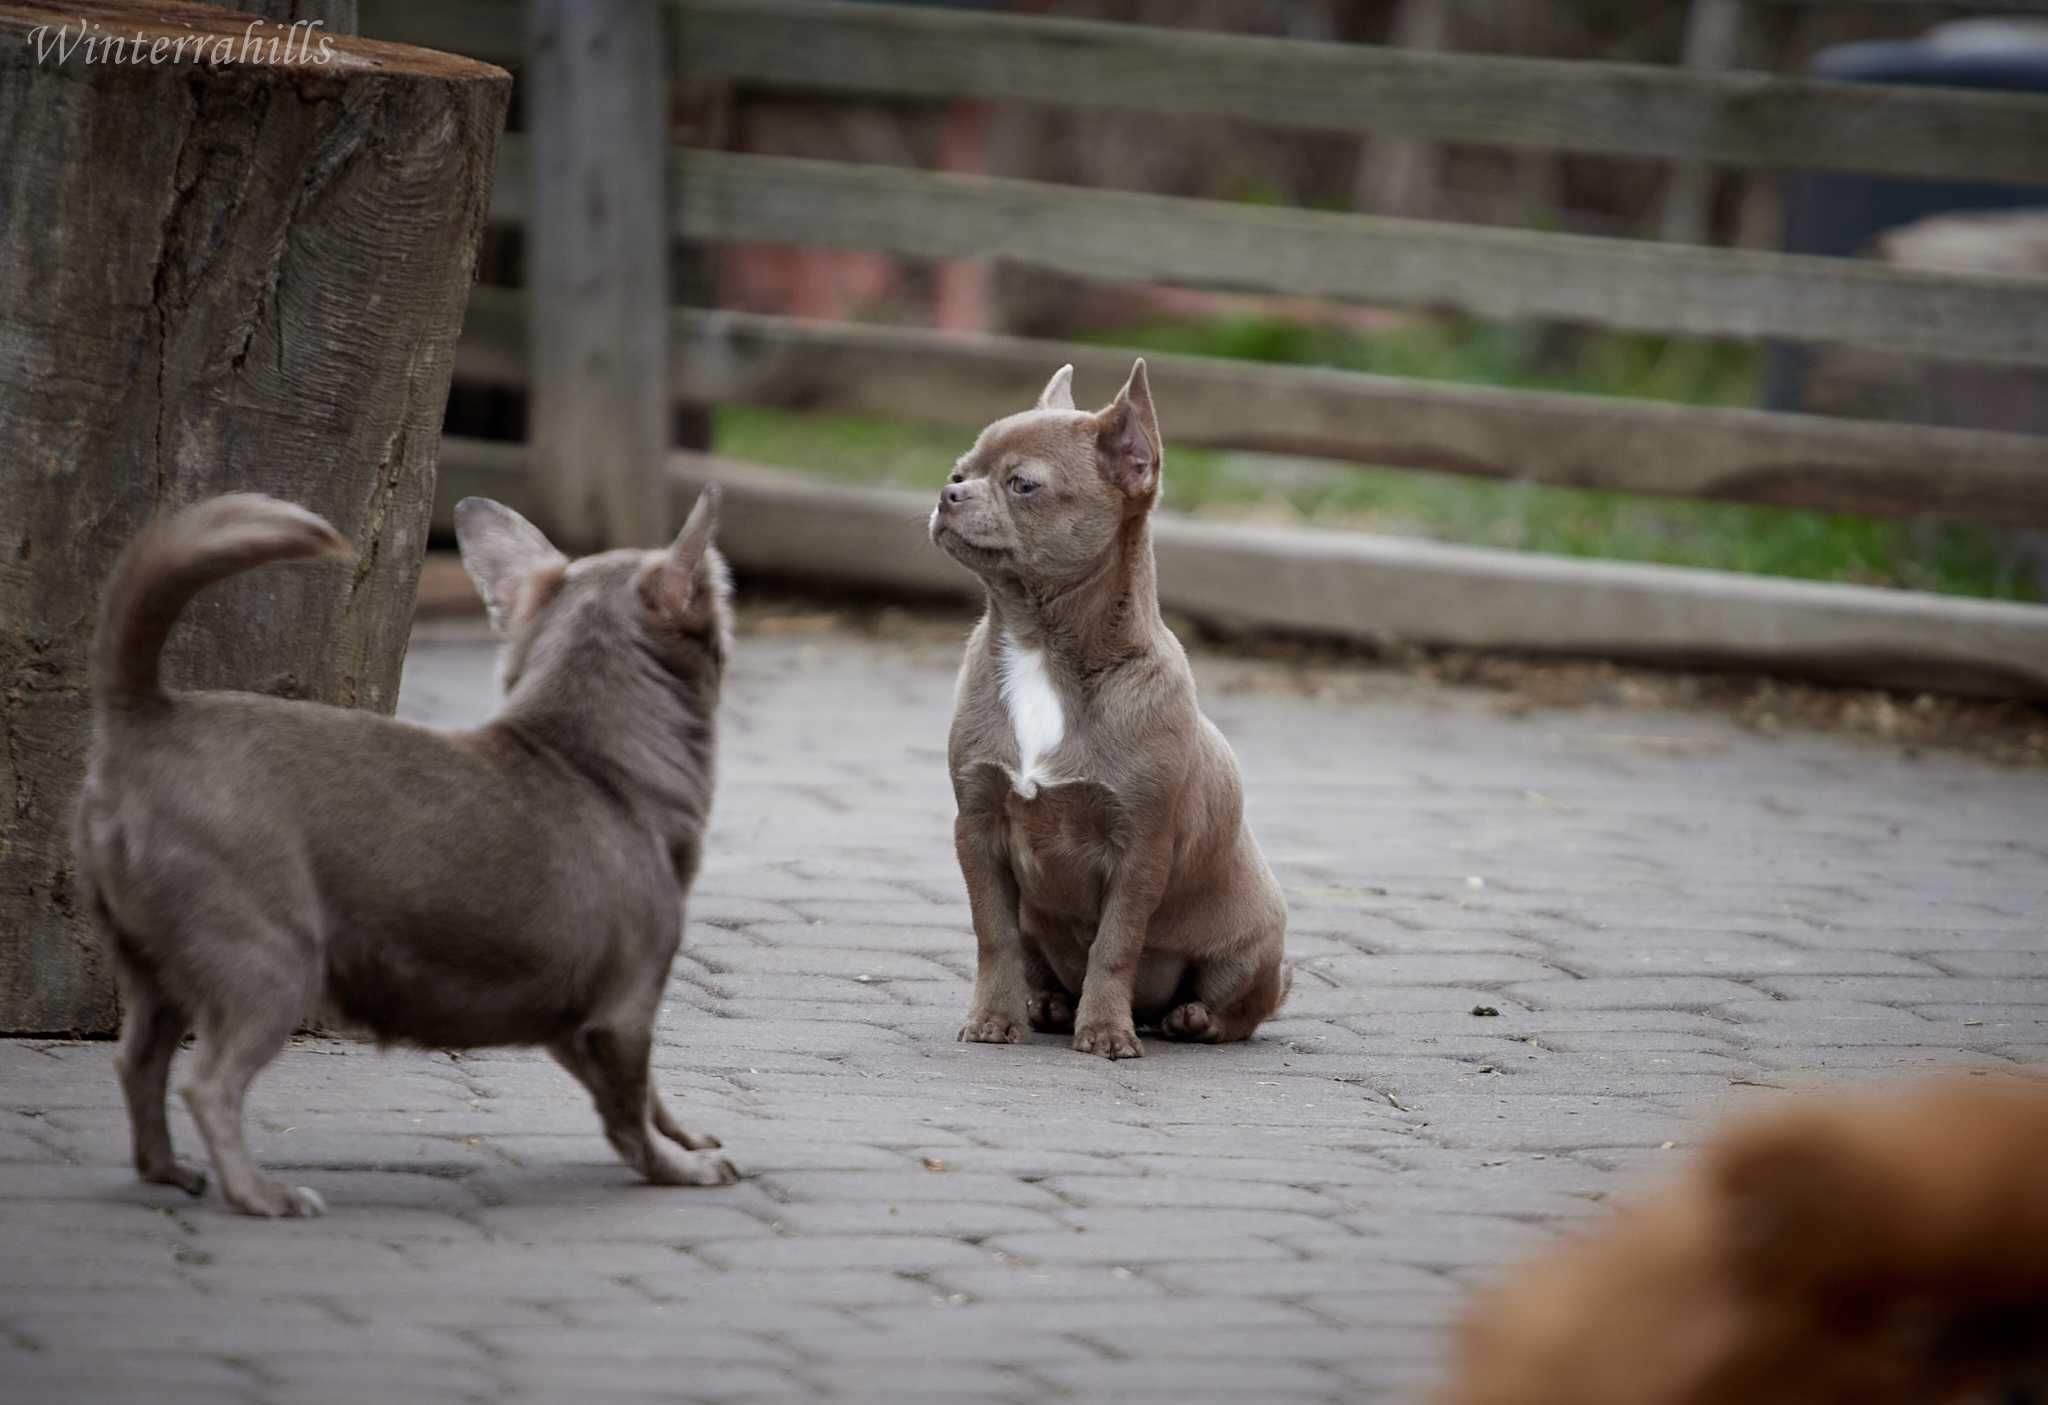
pixel 1885 1248
pixel 1125 885
pixel 251 859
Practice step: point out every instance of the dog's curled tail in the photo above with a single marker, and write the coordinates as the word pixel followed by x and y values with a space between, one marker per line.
pixel 170 561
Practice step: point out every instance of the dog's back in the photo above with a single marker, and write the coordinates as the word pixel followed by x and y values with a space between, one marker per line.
pixel 1877 1248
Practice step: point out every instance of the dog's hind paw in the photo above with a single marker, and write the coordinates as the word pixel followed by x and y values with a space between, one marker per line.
pixel 1110 1041
pixel 982 1028
pixel 189 1179
pixel 281 1202
pixel 1191 1021
pixel 694 1168
pixel 1050 1013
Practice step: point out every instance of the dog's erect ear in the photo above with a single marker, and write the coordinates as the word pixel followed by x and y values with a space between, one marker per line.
pixel 503 552
pixel 1127 437
pixel 676 581
pixel 1059 391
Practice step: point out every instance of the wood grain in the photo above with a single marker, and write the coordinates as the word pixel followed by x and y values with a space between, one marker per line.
pixel 213 276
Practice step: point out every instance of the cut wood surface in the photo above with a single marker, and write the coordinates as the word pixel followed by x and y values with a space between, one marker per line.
pixel 1741 119
pixel 331 16
pixel 214 275
pixel 1570 440
pixel 1493 273
pixel 1359 586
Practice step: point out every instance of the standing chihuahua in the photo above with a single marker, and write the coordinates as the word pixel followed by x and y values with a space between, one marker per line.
pixel 1101 827
pixel 249 859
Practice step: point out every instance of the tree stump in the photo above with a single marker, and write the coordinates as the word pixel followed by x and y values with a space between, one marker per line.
pixel 227 261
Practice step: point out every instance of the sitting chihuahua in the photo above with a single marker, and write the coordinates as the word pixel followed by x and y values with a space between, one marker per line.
pixel 250 860
pixel 1877 1248
pixel 1100 826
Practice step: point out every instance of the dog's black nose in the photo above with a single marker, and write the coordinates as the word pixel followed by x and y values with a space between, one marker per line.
pixel 955 492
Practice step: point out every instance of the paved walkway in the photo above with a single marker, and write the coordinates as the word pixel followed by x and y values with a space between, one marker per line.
pixel 1669 914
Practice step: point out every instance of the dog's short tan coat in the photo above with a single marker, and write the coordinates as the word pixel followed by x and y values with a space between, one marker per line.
pixel 251 859
pixel 1100 827
pixel 1882 1248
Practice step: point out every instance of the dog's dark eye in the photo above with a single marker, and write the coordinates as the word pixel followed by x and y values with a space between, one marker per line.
pixel 958 477
pixel 1023 487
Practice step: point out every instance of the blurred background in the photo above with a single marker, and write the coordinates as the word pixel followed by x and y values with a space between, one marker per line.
pixel 1420 233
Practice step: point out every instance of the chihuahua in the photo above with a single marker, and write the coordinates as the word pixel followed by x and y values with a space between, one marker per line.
pixel 1111 874
pixel 250 860
pixel 1882 1248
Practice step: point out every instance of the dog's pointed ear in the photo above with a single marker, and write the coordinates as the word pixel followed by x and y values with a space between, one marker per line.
pixel 1059 391
pixel 674 583
pixel 503 553
pixel 1127 443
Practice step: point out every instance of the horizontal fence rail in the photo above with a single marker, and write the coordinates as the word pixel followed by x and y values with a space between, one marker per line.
pixel 1643 110
pixel 792 525
pixel 1562 104
pixel 1492 273
pixel 1566 440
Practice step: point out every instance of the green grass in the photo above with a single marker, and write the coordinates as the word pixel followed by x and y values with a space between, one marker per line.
pixel 1951 559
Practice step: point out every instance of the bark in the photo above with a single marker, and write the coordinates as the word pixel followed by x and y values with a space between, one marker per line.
pixel 241 272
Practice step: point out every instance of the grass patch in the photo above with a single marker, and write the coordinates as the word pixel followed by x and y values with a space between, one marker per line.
pixel 1946 558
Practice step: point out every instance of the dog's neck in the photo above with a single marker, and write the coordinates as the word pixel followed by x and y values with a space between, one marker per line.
pixel 642 735
pixel 1094 623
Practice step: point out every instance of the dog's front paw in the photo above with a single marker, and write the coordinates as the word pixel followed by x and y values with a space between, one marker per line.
pixel 985 1027
pixel 1111 1041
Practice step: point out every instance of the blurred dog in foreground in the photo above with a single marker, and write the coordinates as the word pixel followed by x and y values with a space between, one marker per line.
pixel 1100 828
pixel 250 860
pixel 1878 1248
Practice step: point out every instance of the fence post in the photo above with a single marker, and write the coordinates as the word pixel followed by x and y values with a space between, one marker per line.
pixel 1713 40
pixel 1403 175
pixel 597 271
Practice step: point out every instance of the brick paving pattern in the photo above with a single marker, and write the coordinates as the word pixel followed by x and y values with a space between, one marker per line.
pixel 1671 915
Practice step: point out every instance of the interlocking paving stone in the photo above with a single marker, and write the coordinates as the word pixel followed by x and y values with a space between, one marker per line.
pixel 1674 918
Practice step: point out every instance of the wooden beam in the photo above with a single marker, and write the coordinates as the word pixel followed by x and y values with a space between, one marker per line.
pixel 1491 100
pixel 1355 585
pixel 1735 119
pixel 1493 273
pixel 1567 440
pixel 598 342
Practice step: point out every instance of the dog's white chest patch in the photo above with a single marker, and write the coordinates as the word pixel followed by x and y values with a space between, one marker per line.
pixel 1035 716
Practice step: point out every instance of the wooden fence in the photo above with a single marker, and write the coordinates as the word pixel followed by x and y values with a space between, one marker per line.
pixel 565 339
